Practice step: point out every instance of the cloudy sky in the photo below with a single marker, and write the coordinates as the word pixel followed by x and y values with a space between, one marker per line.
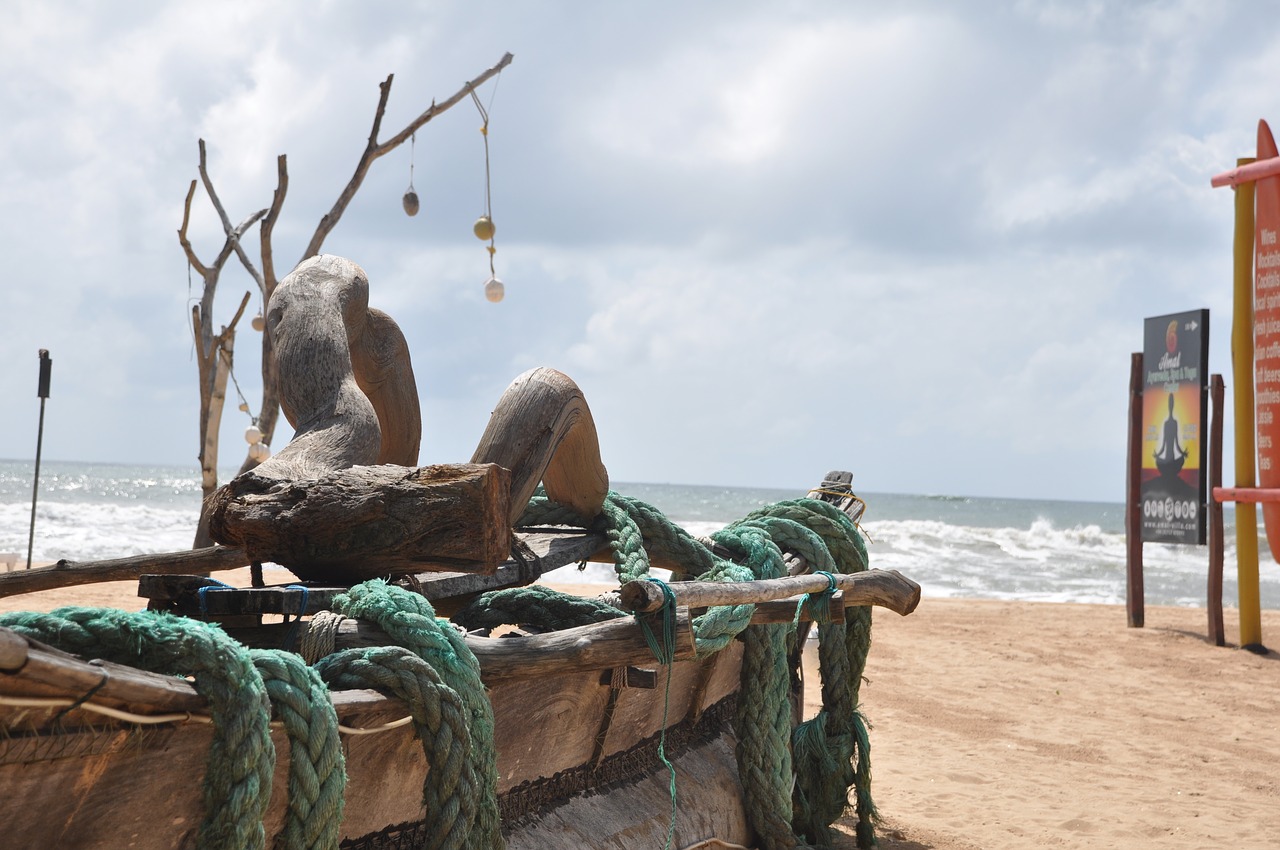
pixel 914 240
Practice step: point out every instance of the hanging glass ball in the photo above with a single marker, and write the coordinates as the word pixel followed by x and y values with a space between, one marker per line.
pixel 253 435
pixel 258 322
pixel 411 202
pixel 259 452
pixel 494 290
pixel 484 228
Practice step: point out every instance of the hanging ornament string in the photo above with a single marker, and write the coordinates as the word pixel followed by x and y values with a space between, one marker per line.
pixel 484 228
pixel 258 450
pixel 410 199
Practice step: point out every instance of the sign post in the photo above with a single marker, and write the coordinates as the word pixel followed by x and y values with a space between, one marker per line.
pixel 42 390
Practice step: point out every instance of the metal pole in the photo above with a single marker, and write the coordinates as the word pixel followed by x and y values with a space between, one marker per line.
pixel 46 367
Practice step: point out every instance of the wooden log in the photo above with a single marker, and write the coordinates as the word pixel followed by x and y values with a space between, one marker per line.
pixel 613 643
pixel 784 610
pixel 370 521
pixel 44 671
pixel 885 588
pixel 71 573
pixel 542 430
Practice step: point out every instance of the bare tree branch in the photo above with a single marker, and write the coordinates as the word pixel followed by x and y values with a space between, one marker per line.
pixel 373 149
pixel 182 234
pixel 233 234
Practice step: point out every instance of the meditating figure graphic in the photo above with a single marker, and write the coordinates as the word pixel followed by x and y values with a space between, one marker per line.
pixel 1170 456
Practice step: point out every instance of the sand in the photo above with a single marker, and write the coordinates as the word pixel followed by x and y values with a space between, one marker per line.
pixel 1021 725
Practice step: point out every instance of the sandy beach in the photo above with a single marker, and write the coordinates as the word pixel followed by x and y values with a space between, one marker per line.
pixel 1018 725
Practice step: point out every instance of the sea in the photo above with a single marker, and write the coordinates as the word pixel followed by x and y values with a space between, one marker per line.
pixel 954 546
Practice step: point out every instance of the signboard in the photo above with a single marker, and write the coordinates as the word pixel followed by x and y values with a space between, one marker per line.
pixel 1266 332
pixel 1175 363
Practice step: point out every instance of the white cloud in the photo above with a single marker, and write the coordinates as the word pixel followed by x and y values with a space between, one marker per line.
pixel 919 239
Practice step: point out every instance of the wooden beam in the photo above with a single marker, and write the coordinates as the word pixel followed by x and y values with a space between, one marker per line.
pixel 71 573
pixel 598 646
pixel 1246 495
pixel 885 588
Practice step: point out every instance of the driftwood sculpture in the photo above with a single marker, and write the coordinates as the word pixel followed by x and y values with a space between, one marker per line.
pixel 344 501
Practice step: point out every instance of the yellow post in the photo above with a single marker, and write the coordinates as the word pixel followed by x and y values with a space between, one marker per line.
pixel 1246 451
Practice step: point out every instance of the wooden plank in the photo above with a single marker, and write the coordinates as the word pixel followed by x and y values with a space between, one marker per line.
pixel 550 725
pixel 1246 495
pixel 545 551
pixel 637 714
pixel 710 807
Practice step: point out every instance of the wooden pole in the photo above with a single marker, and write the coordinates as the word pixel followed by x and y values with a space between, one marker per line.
pixel 1134 601
pixel 886 588
pixel 69 573
pixel 1246 449
pixel 1214 595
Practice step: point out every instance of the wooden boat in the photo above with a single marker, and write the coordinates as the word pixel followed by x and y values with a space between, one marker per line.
pixel 627 731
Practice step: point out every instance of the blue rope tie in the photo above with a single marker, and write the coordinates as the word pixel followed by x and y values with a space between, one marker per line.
pixel 665 651
pixel 291 636
pixel 202 592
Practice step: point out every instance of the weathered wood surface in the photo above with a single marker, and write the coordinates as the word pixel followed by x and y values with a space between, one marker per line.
pixel 549 550
pixel 71 573
pixel 884 588
pixel 370 521
pixel 542 430
pixel 384 372
pixel 100 783
pixel 613 643
pixel 308 318
pixel 710 806
pixel 637 715
pixel 96 783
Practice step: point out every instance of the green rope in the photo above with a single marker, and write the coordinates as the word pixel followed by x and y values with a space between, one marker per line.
pixel 237 785
pixel 450 791
pixel 795 785
pixel 664 649
pixel 536 605
pixel 317 777
pixel 409 619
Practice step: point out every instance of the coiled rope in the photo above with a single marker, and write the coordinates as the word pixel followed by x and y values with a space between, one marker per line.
pixel 796 784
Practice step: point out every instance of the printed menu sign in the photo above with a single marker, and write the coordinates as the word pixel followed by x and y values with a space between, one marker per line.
pixel 1175 356
pixel 1266 332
